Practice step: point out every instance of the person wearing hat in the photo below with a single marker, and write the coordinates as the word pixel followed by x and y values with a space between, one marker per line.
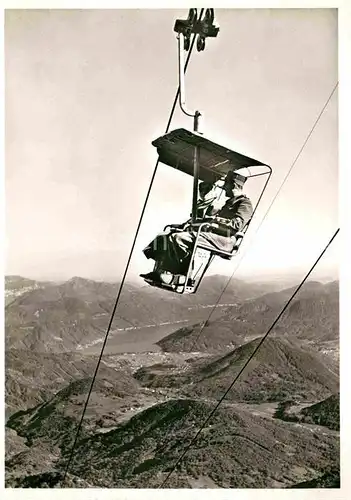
pixel 172 250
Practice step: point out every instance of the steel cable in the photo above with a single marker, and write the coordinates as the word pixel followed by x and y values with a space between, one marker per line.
pixel 126 270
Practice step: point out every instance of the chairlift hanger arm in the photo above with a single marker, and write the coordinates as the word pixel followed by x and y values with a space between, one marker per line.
pixel 201 28
pixel 181 78
pixel 181 71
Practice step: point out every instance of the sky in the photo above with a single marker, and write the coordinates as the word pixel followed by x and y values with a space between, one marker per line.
pixel 86 92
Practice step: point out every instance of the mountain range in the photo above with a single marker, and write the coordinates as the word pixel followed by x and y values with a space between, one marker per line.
pixel 312 319
pixel 58 317
pixel 145 407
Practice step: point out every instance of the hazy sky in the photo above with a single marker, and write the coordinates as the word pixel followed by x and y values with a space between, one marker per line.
pixel 87 92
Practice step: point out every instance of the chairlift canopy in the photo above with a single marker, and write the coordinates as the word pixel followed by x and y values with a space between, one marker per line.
pixel 176 149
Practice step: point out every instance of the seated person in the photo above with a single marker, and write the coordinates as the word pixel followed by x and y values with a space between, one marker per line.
pixel 172 250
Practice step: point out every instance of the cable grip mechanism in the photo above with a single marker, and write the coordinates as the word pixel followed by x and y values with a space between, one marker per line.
pixel 202 28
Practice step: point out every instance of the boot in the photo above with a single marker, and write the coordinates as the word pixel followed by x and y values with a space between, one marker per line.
pixel 153 276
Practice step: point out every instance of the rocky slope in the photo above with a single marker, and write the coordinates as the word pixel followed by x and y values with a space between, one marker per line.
pixel 15 286
pixel 278 370
pixel 32 378
pixel 330 479
pixel 325 412
pixel 136 453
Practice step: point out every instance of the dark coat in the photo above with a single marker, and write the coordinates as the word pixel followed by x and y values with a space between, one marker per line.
pixel 237 210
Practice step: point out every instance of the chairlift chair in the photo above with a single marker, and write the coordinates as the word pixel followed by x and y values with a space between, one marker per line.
pixel 178 149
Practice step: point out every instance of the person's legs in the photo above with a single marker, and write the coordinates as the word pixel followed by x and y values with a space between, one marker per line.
pixel 180 248
pixel 218 242
pixel 171 253
pixel 156 250
pixel 157 247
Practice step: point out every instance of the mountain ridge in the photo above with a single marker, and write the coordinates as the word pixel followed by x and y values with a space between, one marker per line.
pixel 60 317
pixel 279 369
pixel 312 318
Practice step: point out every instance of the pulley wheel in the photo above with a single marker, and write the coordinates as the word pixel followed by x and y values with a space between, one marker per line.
pixel 192 16
pixel 209 16
pixel 200 43
pixel 186 43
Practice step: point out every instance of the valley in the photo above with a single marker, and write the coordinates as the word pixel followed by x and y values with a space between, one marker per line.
pixel 164 369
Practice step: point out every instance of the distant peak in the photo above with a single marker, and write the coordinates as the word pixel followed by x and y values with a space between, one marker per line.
pixel 79 280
